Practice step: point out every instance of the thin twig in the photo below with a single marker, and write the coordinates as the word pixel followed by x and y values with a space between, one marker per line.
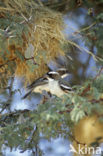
pixel 13 59
pixel 99 73
pixel 41 4
pixel 5 116
pixel 74 139
pixel 31 58
pixel 96 58
pixel 84 29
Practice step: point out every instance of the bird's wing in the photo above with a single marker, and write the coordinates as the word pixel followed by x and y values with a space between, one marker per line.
pixel 38 82
pixel 25 96
pixel 64 85
pixel 65 88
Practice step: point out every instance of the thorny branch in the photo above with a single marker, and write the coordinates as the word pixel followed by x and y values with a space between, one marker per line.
pixel 6 105
pixel 13 59
pixel 31 58
pixel 99 73
pixel 6 116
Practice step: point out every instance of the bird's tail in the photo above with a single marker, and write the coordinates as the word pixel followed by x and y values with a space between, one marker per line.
pixel 25 96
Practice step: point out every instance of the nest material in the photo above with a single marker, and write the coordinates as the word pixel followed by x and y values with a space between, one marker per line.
pixel 32 24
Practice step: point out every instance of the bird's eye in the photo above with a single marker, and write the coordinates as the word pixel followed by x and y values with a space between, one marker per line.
pixel 50 75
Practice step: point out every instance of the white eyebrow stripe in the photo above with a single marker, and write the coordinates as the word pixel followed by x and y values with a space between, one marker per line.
pixel 53 72
pixel 64 86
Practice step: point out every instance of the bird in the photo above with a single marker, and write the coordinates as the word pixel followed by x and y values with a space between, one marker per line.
pixel 52 82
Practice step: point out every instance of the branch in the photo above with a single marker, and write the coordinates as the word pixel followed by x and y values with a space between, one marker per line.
pixel 6 116
pixel 13 59
pixel 85 90
pixel 39 1
pixel 31 58
pixel 99 73
pixel 74 139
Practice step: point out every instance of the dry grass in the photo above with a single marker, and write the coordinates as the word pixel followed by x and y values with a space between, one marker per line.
pixel 45 34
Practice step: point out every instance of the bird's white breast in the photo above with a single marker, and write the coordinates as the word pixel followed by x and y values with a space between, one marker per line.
pixel 55 88
pixel 39 89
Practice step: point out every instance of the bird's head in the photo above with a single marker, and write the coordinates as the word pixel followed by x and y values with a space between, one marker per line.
pixel 53 75
pixel 58 74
